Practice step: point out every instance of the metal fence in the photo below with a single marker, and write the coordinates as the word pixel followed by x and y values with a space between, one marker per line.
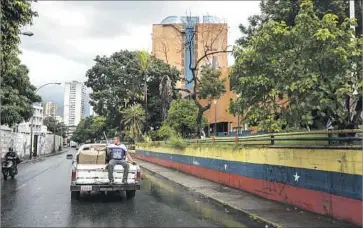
pixel 324 139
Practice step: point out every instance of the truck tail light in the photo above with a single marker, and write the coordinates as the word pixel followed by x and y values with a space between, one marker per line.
pixel 74 175
pixel 138 175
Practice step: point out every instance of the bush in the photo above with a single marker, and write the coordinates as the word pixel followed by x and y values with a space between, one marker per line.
pixel 178 143
pixel 153 135
pixel 166 132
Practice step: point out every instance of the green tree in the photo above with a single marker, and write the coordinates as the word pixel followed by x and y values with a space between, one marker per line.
pixel 287 10
pixel 144 63
pixel 200 65
pixel 91 128
pixel 308 66
pixel 182 117
pixel 133 120
pixel 59 128
pixel 16 94
pixel 210 86
pixel 51 123
pixel 81 134
pixel 117 82
pixel 15 14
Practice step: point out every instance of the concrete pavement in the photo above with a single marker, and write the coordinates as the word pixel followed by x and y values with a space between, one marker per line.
pixel 39 197
pixel 266 211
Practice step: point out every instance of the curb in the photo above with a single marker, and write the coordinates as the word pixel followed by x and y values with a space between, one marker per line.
pixel 221 202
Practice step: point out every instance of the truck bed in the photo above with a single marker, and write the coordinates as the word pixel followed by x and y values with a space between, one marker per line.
pixel 97 174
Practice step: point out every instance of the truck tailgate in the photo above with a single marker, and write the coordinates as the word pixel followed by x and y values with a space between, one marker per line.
pixel 98 174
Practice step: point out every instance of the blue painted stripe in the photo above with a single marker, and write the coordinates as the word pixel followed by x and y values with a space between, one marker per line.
pixel 341 184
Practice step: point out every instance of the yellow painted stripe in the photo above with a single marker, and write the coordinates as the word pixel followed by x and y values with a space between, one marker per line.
pixel 344 161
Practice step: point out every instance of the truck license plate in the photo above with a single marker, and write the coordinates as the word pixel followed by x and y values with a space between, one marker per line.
pixel 86 188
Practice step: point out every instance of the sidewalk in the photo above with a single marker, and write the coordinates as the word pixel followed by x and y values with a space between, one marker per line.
pixel 41 157
pixel 270 212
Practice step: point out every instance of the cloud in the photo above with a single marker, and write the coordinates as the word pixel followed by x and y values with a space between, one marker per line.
pixel 69 34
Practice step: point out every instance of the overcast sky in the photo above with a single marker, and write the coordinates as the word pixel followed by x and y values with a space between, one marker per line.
pixel 69 34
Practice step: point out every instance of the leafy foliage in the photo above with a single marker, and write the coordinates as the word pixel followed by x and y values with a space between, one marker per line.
pixel 210 85
pixel 166 132
pixel 55 126
pixel 287 10
pixel 117 82
pixel 91 128
pixel 16 94
pixel 181 119
pixel 15 14
pixel 133 120
pixel 289 75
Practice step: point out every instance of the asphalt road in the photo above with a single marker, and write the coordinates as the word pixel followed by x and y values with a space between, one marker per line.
pixel 39 196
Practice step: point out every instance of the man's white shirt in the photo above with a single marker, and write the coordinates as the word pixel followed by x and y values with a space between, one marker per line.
pixel 122 146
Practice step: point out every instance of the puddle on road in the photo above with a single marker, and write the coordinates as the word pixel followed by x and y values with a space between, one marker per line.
pixel 171 194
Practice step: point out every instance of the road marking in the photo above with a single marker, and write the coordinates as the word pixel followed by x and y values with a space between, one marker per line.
pixel 21 186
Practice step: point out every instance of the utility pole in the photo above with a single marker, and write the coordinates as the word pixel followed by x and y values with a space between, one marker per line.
pixel 215 118
pixel 54 133
pixel 238 124
pixel 31 137
pixel 145 97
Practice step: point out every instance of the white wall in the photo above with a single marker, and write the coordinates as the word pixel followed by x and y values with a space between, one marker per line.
pixel 21 143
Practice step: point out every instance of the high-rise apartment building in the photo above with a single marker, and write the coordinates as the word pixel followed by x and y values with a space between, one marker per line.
pixel 73 108
pixel 50 109
pixel 184 41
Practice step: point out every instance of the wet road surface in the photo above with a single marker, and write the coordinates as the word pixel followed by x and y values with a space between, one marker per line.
pixel 39 196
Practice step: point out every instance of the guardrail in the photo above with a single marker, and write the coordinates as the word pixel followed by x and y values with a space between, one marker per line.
pixel 324 139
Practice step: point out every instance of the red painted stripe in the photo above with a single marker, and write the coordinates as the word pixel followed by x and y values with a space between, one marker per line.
pixel 338 207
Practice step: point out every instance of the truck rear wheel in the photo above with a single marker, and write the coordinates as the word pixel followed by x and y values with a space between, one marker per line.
pixel 130 194
pixel 75 195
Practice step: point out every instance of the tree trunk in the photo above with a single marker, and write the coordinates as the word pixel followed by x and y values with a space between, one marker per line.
pixel 199 122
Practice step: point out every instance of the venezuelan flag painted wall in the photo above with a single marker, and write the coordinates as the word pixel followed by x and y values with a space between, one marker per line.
pixel 327 182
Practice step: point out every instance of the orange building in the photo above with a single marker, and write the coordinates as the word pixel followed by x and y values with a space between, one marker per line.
pixel 181 41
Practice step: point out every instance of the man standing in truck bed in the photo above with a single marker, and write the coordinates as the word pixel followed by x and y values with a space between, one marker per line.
pixel 117 154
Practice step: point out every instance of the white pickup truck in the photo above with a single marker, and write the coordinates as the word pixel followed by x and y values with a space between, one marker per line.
pixel 94 177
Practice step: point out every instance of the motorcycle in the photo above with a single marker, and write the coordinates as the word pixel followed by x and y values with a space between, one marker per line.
pixel 10 167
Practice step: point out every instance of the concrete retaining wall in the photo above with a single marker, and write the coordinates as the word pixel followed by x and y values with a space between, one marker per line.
pixel 21 143
pixel 327 182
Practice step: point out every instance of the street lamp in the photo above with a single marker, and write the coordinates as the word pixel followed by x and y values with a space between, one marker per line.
pixel 27 33
pixel 32 120
pixel 215 118
pixel 50 83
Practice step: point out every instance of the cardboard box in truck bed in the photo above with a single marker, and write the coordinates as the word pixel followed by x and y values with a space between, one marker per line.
pixel 92 157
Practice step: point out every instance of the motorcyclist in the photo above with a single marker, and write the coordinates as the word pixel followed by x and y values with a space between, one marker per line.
pixel 12 154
